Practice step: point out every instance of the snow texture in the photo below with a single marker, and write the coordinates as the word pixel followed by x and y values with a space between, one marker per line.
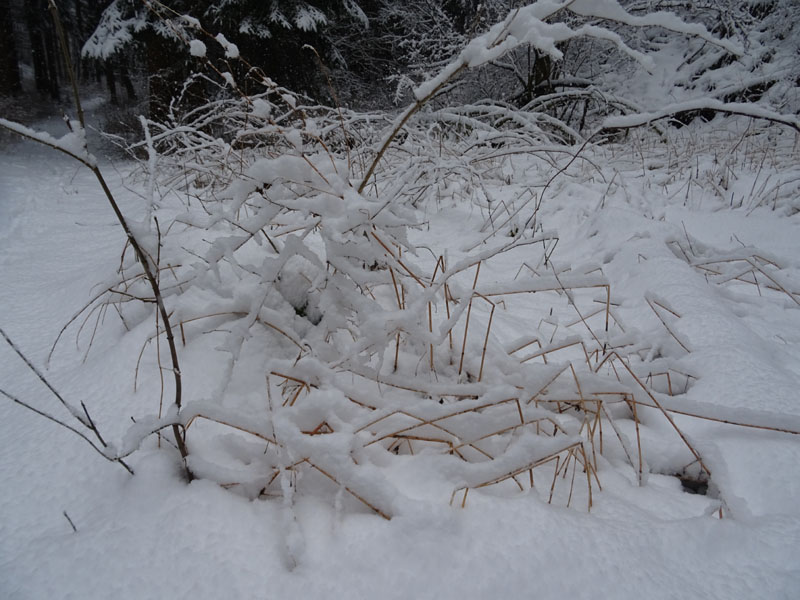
pixel 231 50
pixel 197 48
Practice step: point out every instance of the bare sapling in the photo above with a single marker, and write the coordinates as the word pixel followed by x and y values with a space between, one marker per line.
pixel 74 145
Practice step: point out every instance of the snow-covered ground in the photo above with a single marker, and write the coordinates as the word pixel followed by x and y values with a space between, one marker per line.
pixel 652 227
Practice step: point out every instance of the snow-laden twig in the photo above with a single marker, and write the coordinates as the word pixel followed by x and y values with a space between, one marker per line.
pixel 72 144
pixel 733 108
pixel 101 451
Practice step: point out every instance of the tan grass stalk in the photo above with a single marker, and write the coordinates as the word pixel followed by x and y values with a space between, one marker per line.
pixel 469 312
pixel 651 303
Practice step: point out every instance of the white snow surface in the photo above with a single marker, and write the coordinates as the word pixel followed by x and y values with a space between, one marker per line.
pixel 154 536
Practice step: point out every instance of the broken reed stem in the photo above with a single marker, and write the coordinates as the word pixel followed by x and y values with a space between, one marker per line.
pixel 399 307
pixel 650 303
pixel 447 299
pixel 572 481
pixel 640 474
pixel 570 450
pixel 620 436
pixel 398 260
pixel 486 338
pixel 555 478
pixel 351 492
pixel 469 313
pixel 777 284
pixel 572 302
pixel 66 516
pixel 587 469
pixel 430 330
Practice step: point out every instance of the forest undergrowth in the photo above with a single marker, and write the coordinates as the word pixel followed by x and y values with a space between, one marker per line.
pixel 383 310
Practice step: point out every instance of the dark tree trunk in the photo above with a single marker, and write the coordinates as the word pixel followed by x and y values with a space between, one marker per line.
pixel 10 81
pixel 53 64
pixel 125 77
pixel 161 85
pixel 111 82
pixel 39 61
pixel 43 50
pixel 78 36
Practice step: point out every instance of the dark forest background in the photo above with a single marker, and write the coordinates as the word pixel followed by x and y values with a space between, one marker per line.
pixel 364 47
pixel 364 54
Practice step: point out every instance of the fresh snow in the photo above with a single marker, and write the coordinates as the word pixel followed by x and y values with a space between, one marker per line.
pixel 231 50
pixel 197 48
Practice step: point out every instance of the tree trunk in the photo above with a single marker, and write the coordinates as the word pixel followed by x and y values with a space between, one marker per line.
pixel 53 55
pixel 161 81
pixel 43 49
pixel 111 82
pixel 10 81
pixel 39 60
pixel 125 77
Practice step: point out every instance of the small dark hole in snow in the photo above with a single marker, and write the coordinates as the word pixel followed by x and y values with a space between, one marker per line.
pixel 692 485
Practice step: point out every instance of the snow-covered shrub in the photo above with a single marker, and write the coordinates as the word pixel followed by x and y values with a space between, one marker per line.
pixel 293 249
pixel 290 240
